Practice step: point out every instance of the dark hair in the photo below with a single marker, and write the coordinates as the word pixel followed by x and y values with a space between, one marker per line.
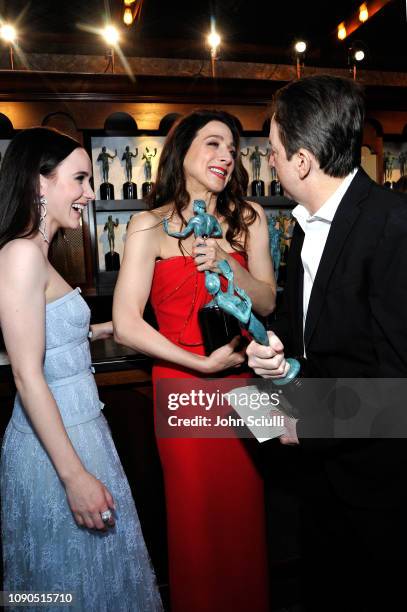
pixel 325 115
pixel 170 183
pixel 32 152
pixel 401 184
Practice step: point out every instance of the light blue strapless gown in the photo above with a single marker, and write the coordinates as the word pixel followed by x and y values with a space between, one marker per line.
pixel 43 548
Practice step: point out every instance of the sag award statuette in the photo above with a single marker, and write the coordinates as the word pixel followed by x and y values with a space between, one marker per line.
pixel 275 233
pixel 222 317
pixel 106 188
pixel 275 185
pixel 148 185
pixel 129 188
pixel 257 185
pixel 112 259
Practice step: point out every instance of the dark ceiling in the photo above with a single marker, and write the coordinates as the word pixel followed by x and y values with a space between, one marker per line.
pixel 256 31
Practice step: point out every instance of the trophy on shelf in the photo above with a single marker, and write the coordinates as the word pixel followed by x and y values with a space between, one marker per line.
pixel 257 185
pixel 106 188
pixel 281 229
pixel 148 184
pixel 275 186
pixel 388 163
pixel 402 162
pixel 129 188
pixel 112 259
pixel 275 233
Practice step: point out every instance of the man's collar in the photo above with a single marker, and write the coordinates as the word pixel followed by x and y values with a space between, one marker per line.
pixel 327 211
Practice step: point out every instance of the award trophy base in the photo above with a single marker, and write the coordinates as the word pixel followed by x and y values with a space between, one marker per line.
pixel 276 188
pixel 147 188
pixel 217 327
pixel 257 188
pixel 130 191
pixel 112 261
pixel 106 191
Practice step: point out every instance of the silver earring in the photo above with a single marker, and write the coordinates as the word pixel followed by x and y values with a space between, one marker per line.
pixel 43 224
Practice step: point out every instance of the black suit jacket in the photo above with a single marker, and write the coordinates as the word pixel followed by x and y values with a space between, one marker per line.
pixel 356 327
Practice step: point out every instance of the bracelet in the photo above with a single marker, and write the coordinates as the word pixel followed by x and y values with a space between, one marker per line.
pixel 90 334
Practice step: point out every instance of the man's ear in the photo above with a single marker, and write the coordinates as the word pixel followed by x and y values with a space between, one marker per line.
pixel 304 163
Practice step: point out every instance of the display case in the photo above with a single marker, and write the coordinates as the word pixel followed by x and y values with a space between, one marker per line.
pixel 127 165
pixel 263 181
pixel 394 159
pixel 123 170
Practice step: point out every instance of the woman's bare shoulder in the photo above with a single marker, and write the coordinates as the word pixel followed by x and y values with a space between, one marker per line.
pixel 258 208
pixel 164 211
pixel 149 218
pixel 21 259
pixel 22 250
pixel 146 219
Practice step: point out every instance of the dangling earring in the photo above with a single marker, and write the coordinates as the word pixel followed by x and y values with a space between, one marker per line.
pixel 43 224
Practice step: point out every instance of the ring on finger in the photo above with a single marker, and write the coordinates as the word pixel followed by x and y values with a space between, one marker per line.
pixel 106 516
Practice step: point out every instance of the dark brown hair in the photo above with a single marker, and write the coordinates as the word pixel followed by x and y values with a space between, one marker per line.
pixel 170 183
pixel 325 115
pixel 32 152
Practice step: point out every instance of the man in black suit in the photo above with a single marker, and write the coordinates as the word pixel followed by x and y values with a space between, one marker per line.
pixel 345 316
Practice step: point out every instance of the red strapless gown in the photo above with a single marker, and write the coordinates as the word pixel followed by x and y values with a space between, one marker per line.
pixel 214 494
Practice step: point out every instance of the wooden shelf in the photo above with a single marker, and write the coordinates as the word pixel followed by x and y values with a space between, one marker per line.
pixel 127 205
pixel 109 205
pixel 273 201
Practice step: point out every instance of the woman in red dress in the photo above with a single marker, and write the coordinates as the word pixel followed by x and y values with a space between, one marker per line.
pixel 214 494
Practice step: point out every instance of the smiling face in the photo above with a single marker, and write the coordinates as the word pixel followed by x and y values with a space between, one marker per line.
pixel 68 190
pixel 210 160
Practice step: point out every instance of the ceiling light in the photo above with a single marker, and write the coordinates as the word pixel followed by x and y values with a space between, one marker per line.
pixel 111 35
pixel 342 31
pixel 300 46
pixel 363 13
pixel 128 16
pixel 357 53
pixel 8 33
pixel 214 39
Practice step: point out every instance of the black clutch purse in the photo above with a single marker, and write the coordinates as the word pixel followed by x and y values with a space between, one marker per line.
pixel 217 327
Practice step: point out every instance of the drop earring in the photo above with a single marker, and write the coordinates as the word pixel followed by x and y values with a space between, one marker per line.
pixel 43 224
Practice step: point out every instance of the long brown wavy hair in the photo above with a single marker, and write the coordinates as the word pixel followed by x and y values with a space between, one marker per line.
pixel 32 152
pixel 170 186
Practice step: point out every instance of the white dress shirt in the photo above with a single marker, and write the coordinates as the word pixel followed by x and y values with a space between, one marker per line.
pixel 316 229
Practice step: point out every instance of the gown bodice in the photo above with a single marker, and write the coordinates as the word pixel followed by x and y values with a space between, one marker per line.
pixel 177 293
pixel 67 363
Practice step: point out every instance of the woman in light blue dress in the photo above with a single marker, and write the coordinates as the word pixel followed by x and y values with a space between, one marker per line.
pixel 69 524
